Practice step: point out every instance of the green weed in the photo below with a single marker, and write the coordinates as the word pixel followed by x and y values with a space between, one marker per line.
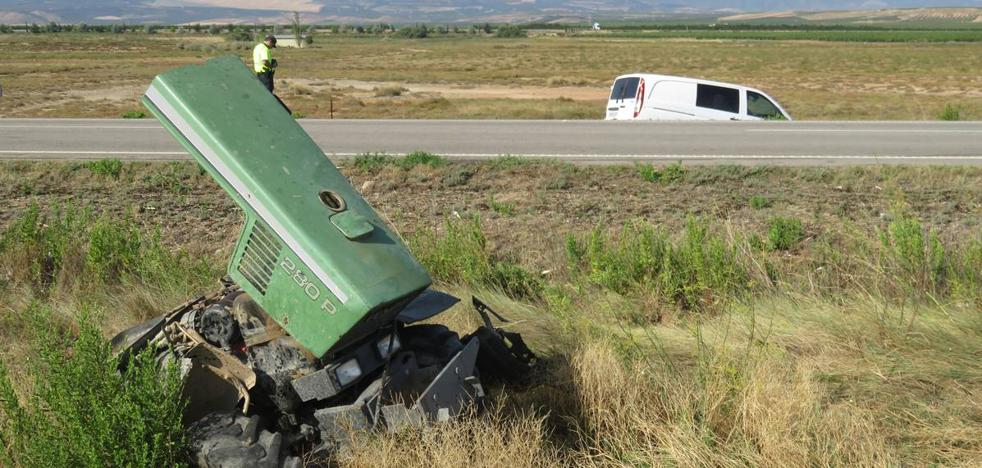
pixel 919 257
pixel 372 162
pixel 172 179
pixel 950 113
pixel 758 202
pixel 110 167
pixel 81 411
pixel 134 114
pixel 673 173
pixel 462 256
pixel 784 233
pixel 697 272
pixel 503 208
pixel 559 182
pixel 507 161
pixel 421 158
pixel 69 246
pixel 457 176
pixel 648 172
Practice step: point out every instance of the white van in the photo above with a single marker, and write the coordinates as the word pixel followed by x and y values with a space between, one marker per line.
pixel 643 96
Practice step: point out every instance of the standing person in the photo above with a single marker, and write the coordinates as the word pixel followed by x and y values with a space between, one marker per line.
pixel 263 62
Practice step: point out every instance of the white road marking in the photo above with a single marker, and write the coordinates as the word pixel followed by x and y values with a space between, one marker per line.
pixel 682 156
pixel 114 153
pixel 857 130
pixel 87 127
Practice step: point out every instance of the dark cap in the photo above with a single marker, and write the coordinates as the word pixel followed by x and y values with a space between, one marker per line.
pixel 271 39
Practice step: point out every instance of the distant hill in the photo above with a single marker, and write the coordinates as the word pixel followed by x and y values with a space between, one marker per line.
pixel 403 11
pixel 925 16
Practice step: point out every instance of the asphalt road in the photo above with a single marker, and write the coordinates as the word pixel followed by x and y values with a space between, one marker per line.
pixel 806 143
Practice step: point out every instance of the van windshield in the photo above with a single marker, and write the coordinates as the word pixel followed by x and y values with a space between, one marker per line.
pixel 760 106
pixel 625 88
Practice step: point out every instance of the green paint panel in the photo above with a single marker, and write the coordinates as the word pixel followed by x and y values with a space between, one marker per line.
pixel 318 272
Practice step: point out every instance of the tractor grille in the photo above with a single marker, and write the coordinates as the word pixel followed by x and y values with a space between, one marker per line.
pixel 259 259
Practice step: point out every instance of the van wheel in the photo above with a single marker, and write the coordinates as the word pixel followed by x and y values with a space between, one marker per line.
pixel 236 440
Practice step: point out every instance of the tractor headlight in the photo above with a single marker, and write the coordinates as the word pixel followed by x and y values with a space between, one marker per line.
pixel 388 345
pixel 348 372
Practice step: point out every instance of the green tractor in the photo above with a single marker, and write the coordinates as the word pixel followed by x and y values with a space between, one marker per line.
pixel 317 329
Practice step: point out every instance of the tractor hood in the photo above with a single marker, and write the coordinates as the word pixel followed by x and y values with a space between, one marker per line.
pixel 312 253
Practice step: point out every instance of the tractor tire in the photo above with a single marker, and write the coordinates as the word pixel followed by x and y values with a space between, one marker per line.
pixel 233 439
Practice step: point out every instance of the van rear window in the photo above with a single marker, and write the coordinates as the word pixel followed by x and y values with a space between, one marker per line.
pixel 718 97
pixel 625 88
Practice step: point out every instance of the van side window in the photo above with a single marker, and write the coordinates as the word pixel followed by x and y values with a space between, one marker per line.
pixel 625 88
pixel 760 106
pixel 718 97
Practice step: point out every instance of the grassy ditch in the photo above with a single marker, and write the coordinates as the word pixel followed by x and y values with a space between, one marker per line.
pixel 726 316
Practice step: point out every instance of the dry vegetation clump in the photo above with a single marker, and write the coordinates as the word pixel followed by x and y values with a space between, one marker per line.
pixel 488 440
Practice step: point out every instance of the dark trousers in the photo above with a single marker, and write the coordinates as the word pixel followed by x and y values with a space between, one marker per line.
pixel 266 78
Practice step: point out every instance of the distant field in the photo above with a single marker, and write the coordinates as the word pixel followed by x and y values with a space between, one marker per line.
pixel 93 75
pixel 793 34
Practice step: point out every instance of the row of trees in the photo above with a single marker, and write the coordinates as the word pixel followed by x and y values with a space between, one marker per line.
pixel 246 32
pixel 216 29
pixel 421 31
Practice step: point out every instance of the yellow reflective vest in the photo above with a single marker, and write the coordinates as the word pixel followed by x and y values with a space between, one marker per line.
pixel 260 53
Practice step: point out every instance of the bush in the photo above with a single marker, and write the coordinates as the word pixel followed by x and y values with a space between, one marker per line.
pixel 372 162
pixel 171 179
pixel 457 176
pixel 918 259
pixel 648 172
pixel 37 245
pixel 421 158
pixel 419 31
pixel 510 31
pixel 72 246
pixel 81 411
pixel 502 208
pixel 462 256
pixel 508 161
pixel 784 233
pixel 758 202
pixel 111 167
pixel 134 114
pixel 950 112
pixel 695 272
pixel 389 91
pixel 672 173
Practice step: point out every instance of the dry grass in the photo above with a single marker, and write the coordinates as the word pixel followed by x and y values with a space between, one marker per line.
pixel 71 75
pixel 843 365
pixel 784 382
pixel 488 440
